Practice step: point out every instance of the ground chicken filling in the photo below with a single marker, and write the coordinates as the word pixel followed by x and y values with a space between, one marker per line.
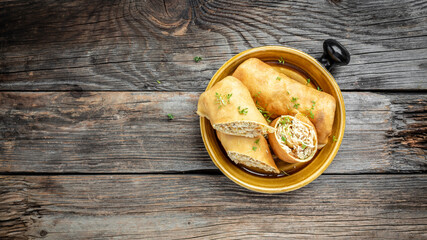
pixel 296 137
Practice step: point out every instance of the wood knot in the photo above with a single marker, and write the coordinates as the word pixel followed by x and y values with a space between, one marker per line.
pixel 172 17
pixel 43 233
pixel 76 91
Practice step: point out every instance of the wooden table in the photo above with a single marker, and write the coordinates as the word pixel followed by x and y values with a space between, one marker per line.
pixel 87 150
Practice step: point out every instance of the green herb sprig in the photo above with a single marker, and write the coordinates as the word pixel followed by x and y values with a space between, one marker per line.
pixel 197 59
pixel 284 139
pixel 312 108
pixel 311 114
pixel 242 111
pixel 285 120
pixel 220 100
pixel 170 116
pixel 265 113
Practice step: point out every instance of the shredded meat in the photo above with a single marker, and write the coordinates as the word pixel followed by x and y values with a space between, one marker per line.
pixel 296 137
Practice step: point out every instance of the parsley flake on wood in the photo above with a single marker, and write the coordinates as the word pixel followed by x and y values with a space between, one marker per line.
pixel 170 116
pixel 197 59
pixel 158 82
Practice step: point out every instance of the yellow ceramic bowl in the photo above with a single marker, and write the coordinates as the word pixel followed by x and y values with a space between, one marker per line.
pixel 305 173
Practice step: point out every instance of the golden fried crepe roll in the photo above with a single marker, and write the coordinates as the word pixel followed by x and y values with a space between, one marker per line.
pixel 295 139
pixel 281 95
pixel 250 152
pixel 230 108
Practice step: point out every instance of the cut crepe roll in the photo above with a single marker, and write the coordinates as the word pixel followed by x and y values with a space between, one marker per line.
pixel 250 152
pixel 230 108
pixel 295 139
pixel 281 95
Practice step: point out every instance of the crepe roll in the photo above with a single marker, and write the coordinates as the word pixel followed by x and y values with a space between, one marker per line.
pixel 295 138
pixel 230 108
pixel 250 152
pixel 281 95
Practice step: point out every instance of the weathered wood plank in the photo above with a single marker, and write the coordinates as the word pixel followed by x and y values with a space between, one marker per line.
pixel 96 132
pixel 202 206
pixel 127 45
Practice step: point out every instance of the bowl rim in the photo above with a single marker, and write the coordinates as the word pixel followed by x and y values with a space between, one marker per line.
pixel 320 169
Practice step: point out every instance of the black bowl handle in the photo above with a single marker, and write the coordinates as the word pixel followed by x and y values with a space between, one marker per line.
pixel 334 54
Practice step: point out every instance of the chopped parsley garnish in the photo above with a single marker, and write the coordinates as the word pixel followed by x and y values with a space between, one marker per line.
pixel 265 113
pixel 304 146
pixel 284 139
pixel 284 120
pixel 254 149
pixel 228 97
pixel 288 92
pixel 243 111
pixel 294 99
pixel 311 114
pixel 296 105
pixel 278 78
pixel 311 110
pixel 220 100
pixel 281 60
pixel 197 59
pixel 158 81
pixel 257 141
pixel 308 81
pixel 257 94
pixel 319 89
pixel 334 138
pixel 170 116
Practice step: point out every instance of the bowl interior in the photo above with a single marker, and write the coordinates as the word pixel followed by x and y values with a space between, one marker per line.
pixel 303 174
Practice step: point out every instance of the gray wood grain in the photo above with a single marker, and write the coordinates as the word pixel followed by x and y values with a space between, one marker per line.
pixel 129 45
pixel 202 206
pixel 127 132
